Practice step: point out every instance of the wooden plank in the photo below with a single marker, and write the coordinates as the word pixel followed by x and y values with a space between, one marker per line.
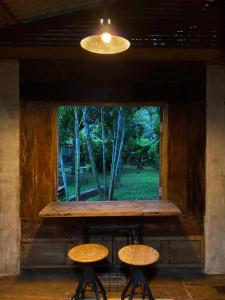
pixel 45 252
pixel 37 155
pixel 72 228
pixel 136 54
pixel 27 150
pixel 45 155
pixel 119 73
pixel 186 251
pixel 164 150
pixel 39 253
pixel 110 208
pixel 177 154
pixel 196 158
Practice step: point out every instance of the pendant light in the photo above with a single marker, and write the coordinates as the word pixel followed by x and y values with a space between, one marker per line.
pixel 105 41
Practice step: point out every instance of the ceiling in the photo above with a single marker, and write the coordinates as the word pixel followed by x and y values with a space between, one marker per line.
pixel 146 23
pixel 28 10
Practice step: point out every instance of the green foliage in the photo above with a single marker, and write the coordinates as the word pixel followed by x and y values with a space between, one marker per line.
pixel 142 134
pixel 147 125
pixel 96 141
pixel 65 124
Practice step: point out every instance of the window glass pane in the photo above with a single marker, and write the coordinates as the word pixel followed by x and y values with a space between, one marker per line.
pixel 108 153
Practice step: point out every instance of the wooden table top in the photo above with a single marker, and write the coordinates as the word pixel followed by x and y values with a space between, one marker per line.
pixel 109 209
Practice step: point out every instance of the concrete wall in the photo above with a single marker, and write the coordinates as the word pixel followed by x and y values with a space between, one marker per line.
pixel 215 171
pixel 9 168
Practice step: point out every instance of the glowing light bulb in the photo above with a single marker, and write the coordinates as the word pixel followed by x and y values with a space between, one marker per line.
pixel 106 37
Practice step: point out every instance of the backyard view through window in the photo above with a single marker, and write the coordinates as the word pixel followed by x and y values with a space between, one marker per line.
pixel 108 153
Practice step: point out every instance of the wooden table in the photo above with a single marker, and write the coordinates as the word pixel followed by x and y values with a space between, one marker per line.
pixel 91 210
pixel 110 209
pixel 107 209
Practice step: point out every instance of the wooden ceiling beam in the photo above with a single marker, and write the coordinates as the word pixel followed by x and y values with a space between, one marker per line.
pixel 7 15
pixel 135 54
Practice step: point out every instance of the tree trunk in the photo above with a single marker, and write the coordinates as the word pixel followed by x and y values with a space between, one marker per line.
pixel 118 163
pixel 73 153
pixel 77 159
pixel 90 150
pixel 113 150
pixel 103 150
pixel 63 172
pixel 115 155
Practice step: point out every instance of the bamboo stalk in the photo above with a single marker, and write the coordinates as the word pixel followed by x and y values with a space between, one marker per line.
pixel 103 150
pixel 113 149
pixel 63 172
pixel 90 150
pixel 120 150
pixel 115 155
pixel 77 159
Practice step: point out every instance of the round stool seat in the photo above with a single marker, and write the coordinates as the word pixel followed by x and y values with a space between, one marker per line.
pixel 88 253
pixel 138 255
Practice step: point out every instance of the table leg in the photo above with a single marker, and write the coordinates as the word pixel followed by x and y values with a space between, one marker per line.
pixel 86 231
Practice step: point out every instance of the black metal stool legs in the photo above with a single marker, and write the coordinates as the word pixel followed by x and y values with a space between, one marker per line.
pixel 125 290
pixel 89 276
pixel 137 278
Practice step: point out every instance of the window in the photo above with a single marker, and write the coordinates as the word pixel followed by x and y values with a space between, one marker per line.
pixel 110 153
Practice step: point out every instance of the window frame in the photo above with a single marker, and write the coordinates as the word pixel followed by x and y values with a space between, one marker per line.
pixel 163 178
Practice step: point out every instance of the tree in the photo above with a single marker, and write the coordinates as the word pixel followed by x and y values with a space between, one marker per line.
pixel 77 154
pixel 108 137
pixel 118 140
pixel 90 150
pixel 103 149
pixel 64 134
pixel 146 139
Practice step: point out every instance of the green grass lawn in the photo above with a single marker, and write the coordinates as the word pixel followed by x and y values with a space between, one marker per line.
pixel 138 184
pixel 134 184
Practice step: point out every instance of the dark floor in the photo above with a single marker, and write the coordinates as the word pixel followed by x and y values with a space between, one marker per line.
pixel 60 284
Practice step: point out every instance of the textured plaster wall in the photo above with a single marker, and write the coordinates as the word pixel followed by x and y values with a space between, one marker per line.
pixel 215 171
pixel 9 168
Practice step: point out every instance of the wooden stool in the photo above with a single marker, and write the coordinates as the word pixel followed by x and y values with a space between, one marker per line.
pixel 87 255
pixel 137 256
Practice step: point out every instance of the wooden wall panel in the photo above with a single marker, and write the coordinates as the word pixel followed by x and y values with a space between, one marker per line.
pixel 45 151
pixel 177 154
pixel 183 251
pixel 38 155
pixel 186 160
pixel 101 79
pixel 38 253
pixel 27 149
pixel 186 157
pixel 196 158
pixel 181 85
pixel 186 251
